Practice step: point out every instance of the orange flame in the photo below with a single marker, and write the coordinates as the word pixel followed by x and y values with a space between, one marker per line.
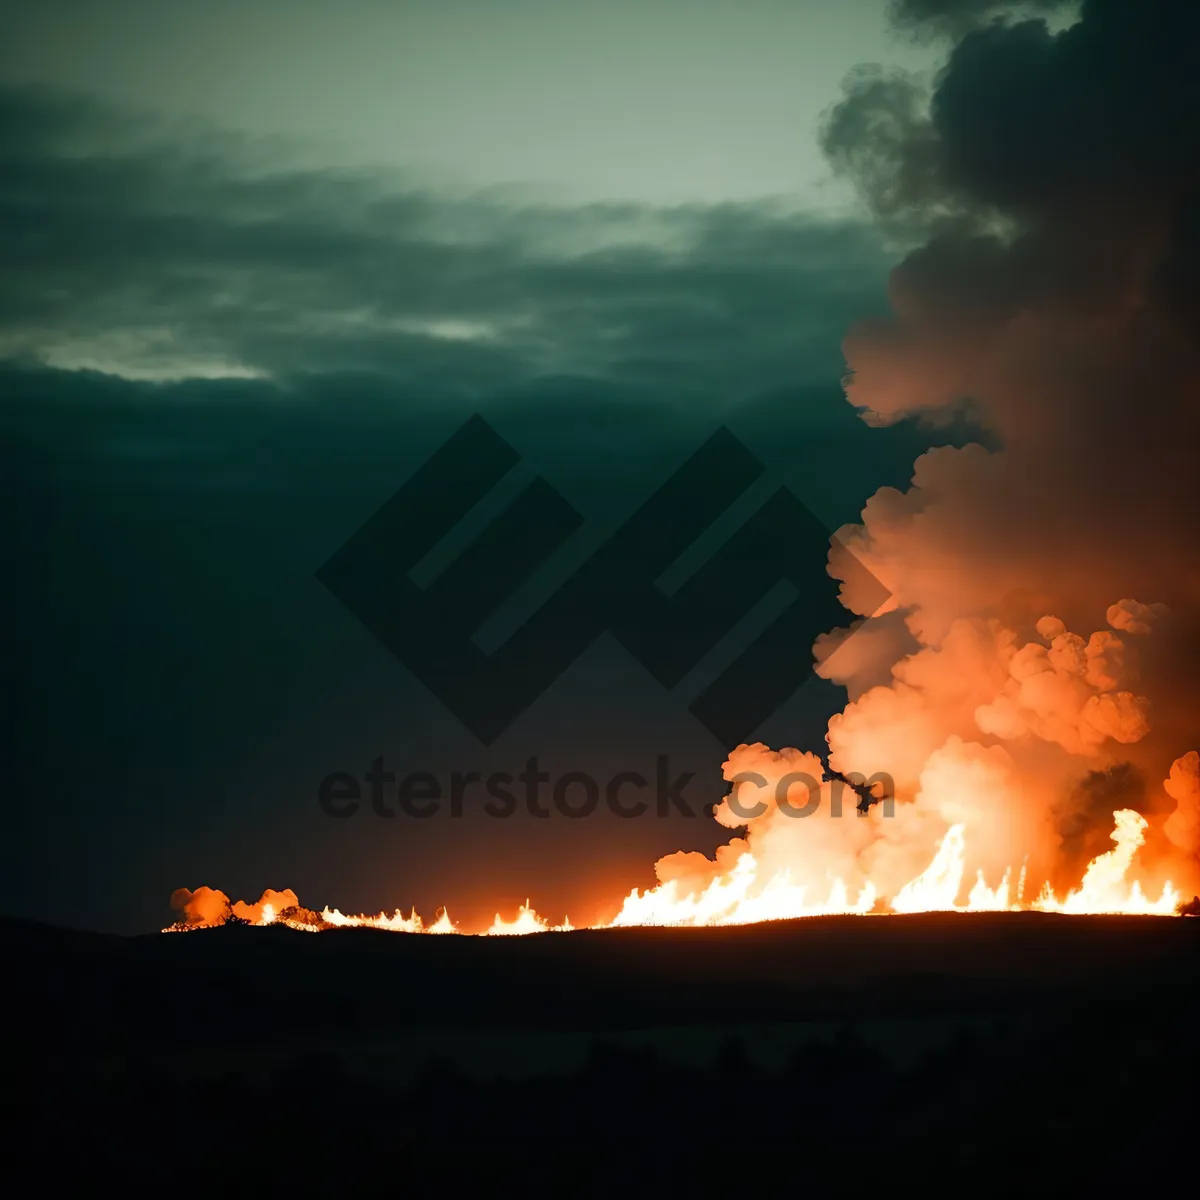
pixel 527 921
pixel 1103 889
pixel 397 922
pixel 741 897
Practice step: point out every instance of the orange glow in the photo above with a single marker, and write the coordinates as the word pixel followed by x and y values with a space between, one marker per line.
pixel 994 738
pixel 743 897
pixel 1104 889
pixel 526 921
pixel 737 899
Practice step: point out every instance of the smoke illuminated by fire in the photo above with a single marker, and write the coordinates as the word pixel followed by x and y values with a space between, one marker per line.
pixel 982 809
pixel 736 898
pixel 1052 180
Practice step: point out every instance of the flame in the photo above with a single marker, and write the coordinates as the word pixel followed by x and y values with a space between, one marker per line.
pixel 984 899
pixel 443 924
pixel 1103 889
pixel 396 922
pixel 938 885
pixel 731 900
pixel 527 921
pixel 734 899
pixel 742 897
pixel 266 913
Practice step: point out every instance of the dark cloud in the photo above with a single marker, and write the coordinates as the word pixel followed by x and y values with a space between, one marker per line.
pixel 165 531
pixel 956 17
pixel 125 250
pixel 1057 176
pixel 1055 173
pixel 1032 124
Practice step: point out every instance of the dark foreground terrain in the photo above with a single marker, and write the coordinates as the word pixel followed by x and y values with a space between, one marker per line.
pixel 957 1053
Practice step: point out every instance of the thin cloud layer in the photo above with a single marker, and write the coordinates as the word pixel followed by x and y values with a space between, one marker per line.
pixel 165 253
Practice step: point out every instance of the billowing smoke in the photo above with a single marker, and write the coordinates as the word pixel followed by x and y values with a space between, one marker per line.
pixel 1030 688
pixel 204 906
pixel 1033 672
pixel 1182 827
pixel 208 906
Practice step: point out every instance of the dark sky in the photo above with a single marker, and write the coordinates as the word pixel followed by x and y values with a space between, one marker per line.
pixel 254 270
pixel 626 99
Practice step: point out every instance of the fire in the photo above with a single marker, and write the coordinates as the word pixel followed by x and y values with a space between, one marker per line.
pixel 938 885
pixel 397 922
pixel 743 897
pixel 1103 889
pixel 527 921
pixel 1046 706
pixel 1003 730
pixel 735 900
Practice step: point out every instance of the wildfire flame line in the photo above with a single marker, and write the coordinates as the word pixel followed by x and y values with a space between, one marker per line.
pixel 740 897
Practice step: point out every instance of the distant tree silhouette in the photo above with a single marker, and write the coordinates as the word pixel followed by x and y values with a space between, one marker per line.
pixel 297 912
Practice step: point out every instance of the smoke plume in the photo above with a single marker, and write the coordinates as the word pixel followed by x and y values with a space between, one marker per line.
pixel 1045 587
pixel 1030 687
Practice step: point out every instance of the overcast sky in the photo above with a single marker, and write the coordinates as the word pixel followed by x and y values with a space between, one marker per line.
pixel 257 261
pixel 648 100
